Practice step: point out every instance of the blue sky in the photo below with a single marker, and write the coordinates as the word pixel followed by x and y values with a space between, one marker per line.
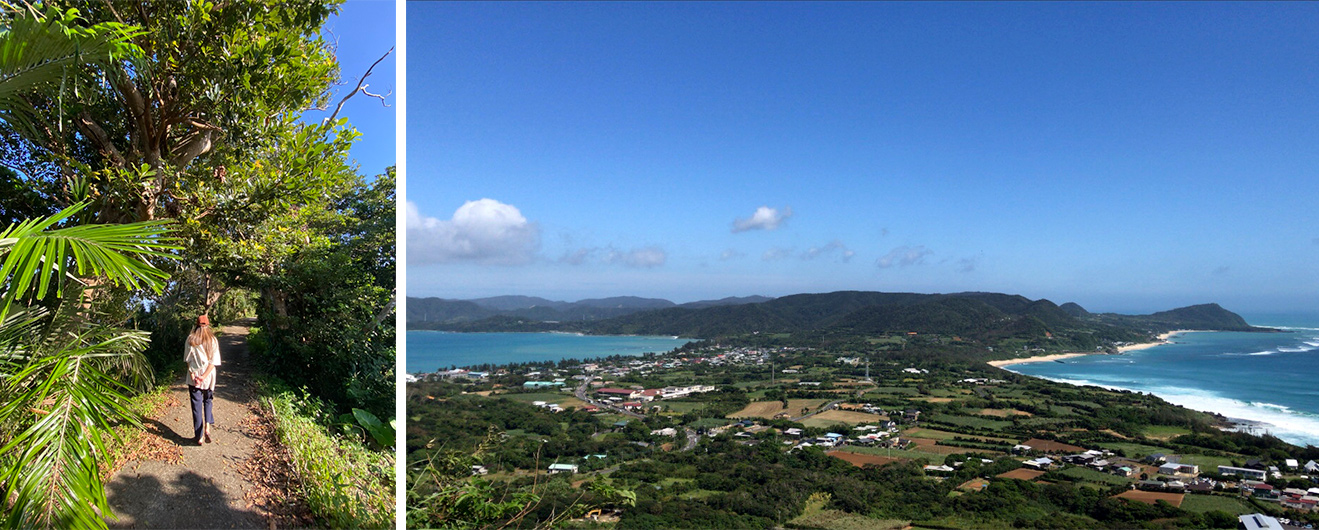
pixel 1128 157
pixel 364 31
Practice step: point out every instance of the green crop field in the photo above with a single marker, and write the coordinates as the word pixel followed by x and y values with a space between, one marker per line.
pixel 1135 450
pixel 1208 503
pixel 971 421
pixel 1164 432
pixel 892 390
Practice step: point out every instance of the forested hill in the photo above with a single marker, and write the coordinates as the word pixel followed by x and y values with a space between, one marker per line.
pixel 1203 316
pixel 972 316
pixel 437 313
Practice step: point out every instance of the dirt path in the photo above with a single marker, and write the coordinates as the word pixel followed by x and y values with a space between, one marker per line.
pixel 204 488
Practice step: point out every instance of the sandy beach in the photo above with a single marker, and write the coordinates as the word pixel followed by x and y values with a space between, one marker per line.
pixel 1039 359
pixel 1163 339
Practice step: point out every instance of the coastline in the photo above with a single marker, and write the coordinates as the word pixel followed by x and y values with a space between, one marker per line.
pixel 1036 359
pixel 1163 338
pixel 1295 424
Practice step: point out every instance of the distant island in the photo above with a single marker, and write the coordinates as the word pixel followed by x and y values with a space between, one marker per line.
pixel 991 325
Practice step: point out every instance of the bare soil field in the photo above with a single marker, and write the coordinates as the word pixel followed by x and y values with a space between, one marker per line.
pixel 975 484
pixel 1150 497
pixel 1050 446
pixel 1022 474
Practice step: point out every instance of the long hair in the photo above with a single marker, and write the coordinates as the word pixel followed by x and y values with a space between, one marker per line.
pixel 204 337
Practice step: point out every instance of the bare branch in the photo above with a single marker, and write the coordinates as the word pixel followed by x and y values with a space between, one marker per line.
pixel 361 86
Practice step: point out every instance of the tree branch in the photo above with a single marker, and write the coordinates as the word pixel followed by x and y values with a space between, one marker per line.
pixel 94 131
pixel 361 87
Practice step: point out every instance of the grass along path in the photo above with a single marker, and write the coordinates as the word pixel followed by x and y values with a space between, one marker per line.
pixel 216 485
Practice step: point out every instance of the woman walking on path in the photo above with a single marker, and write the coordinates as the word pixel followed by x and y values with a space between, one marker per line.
pixel 202 352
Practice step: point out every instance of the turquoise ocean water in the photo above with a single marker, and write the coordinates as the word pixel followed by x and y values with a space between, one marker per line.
pixel 1272 378
pixel 429 351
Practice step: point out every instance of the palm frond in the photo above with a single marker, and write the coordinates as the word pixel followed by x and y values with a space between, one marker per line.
pixel 36 51
pixel 66 399
pixel 34 254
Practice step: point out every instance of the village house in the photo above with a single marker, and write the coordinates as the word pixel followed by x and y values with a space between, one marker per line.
pixel 1179 469
pixel 563 468
pixel 1259 490
pixel 1257 474
pixel 1258 521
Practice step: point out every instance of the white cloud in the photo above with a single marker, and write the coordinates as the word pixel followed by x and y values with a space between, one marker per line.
pixel 579 256
pixel 642 258
pixel 776 253
pixel 484 231
pixel 903 256
pixel 845 254
pixel 765 218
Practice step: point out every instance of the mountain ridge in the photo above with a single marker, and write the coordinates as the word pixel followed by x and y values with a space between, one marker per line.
pixel 982 317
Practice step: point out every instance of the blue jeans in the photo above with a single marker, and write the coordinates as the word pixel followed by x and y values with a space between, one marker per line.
pixel 201 401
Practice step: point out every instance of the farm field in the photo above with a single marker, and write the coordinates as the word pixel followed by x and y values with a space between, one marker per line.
pixel 834 417
pixel 1207 503
pixel 936 434
pixel 862 460
pixel 1151 497
pixel 1165 432
pixel 1050 446
pixel 680 407
pixel 767 409
pixel 1003 413
pixel 975 484
pixel 911 454
pixel 893 390
pixel 1022 474
pixel 1137 451
pixel 929 446
pixel 562 400
pixel 970 421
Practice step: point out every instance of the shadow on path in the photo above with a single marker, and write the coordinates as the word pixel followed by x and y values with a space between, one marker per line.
pixel 137 500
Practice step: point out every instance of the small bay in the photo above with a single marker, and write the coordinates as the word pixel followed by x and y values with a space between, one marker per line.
pixel 429 351
pixel 1271 378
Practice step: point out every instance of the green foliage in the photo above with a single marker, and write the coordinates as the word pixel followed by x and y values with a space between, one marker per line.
pixel 35 254
pixel 346 485
pixel 327 322
pixel 381 433
pixel 443 492
pixel 46 52
pixel 64 375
